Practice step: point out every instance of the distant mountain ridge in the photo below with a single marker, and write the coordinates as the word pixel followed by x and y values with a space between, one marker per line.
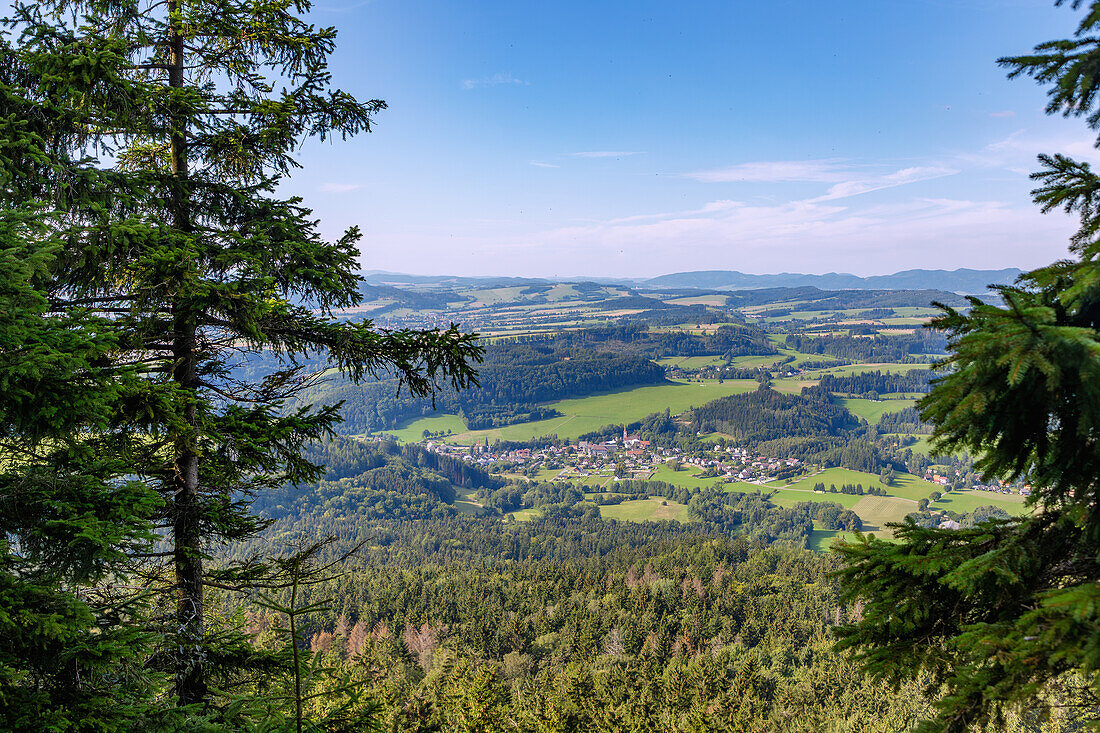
pixel 963 280
pixel 383 278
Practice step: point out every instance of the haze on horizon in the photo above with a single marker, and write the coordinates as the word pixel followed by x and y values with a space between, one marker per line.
pixel 638 139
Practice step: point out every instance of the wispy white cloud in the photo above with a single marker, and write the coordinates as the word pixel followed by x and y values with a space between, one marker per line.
pixel 1015 154
pixel 1003 113
pixel 339 187
pixel 605 153
pixel 1023 144
pixel 540 164
pixel 902 177
pixel 815 218
pixel 832 170
pixel 803 236
pixel 848 179
pixel 708 208
pixel 495 80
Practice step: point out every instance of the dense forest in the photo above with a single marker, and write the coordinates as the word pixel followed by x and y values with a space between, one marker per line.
pixel 877 383
pixel 512 380
pixel 696 635
pixel 810 298
pixel 517 375
pixel 765 415
pixel 907 420
pixel 808 426
pixel 899 349
pixel 729 340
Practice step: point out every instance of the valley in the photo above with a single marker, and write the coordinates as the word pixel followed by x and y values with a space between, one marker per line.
pixel 625 472
pixel 841 371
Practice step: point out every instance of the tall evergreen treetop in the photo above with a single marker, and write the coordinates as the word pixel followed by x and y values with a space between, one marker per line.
pixel 144 204
pixel 1007 615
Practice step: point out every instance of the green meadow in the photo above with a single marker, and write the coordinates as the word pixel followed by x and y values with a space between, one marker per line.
pixel 884 367
pixel 967 501
pixel 906 485
pixel 641 510
pixel 800 358
pixel 465 503
pixel 822 539
pixel 873 410
pixel 687 477
pixel 876 511
pixel 752 362
pixel 415 431
pixel 585 414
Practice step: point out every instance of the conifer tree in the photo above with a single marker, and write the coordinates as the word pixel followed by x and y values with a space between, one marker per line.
pixel 143 144
pixel 1006 615
pixel 67 519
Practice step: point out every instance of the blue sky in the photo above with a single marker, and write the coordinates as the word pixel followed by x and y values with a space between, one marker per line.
pixel 633 139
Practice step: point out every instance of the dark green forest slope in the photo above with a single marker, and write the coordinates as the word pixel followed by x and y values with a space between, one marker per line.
pixel 692 635
pixel 519 374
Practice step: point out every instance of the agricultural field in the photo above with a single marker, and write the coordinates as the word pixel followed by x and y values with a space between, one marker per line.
pixel 873 510
pixel 795 384
pixel 873 410
pixel 686 477
pixel 792 385
pixel 415 431
pixel 562 292
pixel 828 476
pixel 495 295
pixel 884 367
pixel 642 510
pixel 585 414
pixel 967 501
pixel 790 497
pixel 822 539
pixel 923 445
pixel 888 322
pixel 800 358
pixel 752 362
pixel 925 312
pixel 902 499
pixel 716 300
pixel 877 511
pixel 906 485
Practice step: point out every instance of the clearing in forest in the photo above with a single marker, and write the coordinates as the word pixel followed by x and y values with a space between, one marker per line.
pixel 876 511
pixel 641 510
pixel 586 414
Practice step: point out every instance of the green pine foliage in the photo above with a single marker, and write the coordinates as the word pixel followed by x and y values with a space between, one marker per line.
pixel 1005 615
pixel 69 519
pixel 144 253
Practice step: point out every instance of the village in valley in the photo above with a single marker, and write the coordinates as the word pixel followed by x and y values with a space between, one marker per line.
pixel 627 457
pixel 629 392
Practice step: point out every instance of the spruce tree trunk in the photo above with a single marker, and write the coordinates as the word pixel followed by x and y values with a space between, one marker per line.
pixel 190 663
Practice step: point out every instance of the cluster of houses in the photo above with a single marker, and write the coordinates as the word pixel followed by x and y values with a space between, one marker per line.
pixel 631 456
pixel 998 486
